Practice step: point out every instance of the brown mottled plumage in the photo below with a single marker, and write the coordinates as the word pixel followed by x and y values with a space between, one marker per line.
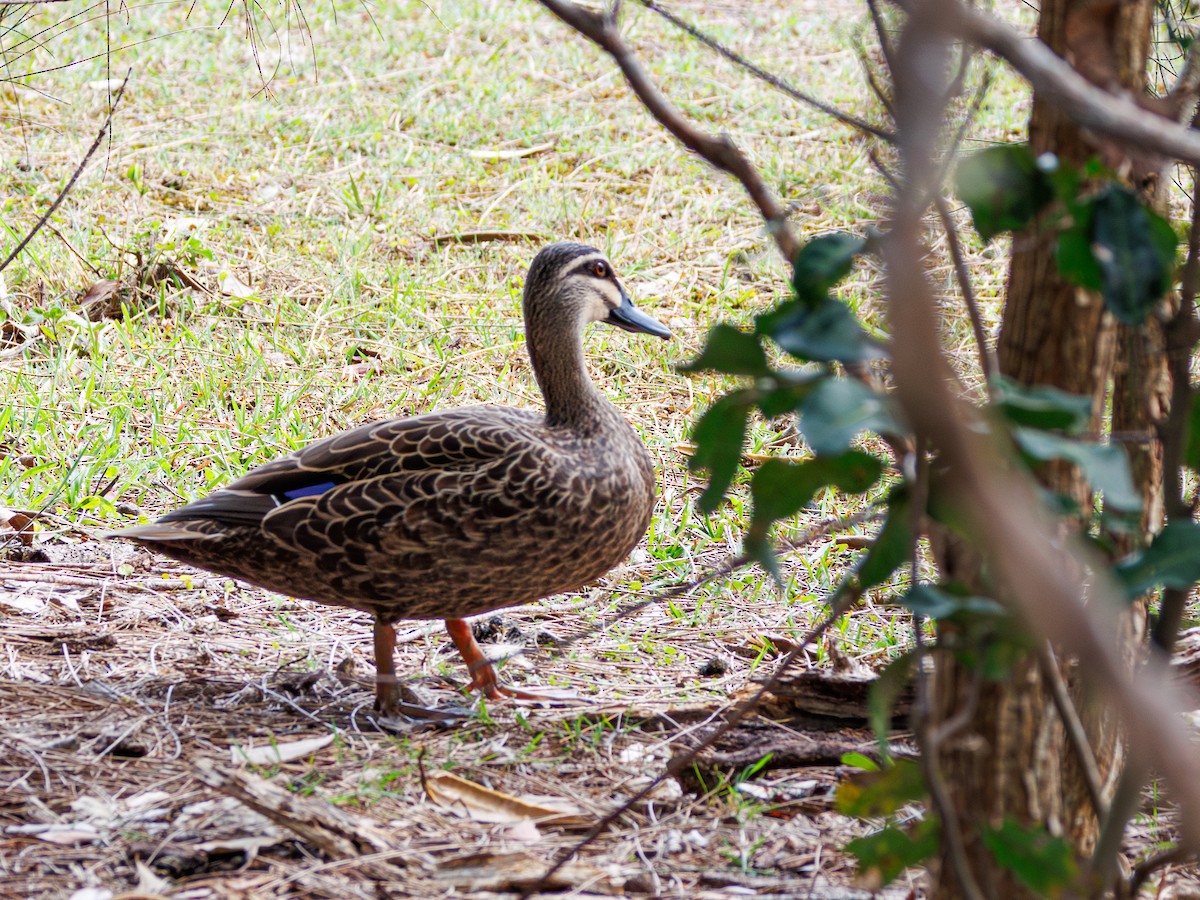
pixel 450 513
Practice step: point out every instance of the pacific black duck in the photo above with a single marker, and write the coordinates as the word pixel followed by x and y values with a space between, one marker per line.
pixel 450 513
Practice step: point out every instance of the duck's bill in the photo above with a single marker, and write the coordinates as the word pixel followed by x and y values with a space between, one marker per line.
pixel 630 318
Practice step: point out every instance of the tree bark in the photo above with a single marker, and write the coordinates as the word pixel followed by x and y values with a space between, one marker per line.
pixel 1012 760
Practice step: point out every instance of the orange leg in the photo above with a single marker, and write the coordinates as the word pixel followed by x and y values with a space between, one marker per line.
pixel 387 692
pixel 483 673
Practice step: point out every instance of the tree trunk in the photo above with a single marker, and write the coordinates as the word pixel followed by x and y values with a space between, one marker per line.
pixel 1012 760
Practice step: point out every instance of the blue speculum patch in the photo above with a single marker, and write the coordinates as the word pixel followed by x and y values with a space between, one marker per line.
pixel 310 490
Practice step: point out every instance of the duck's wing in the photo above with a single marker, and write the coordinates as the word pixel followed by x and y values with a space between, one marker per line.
pixel 356 472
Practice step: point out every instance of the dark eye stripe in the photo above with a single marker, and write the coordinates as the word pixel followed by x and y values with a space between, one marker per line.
pixel 587 264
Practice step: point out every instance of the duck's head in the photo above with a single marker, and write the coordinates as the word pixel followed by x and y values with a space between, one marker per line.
pixel 577 282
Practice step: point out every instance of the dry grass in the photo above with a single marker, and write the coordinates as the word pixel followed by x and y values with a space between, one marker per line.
pixel 330 194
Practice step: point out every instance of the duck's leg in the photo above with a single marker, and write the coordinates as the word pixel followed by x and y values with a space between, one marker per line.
pixel 483 673
pixel 387 692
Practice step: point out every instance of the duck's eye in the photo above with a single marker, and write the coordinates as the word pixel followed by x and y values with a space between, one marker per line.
pixel 600 270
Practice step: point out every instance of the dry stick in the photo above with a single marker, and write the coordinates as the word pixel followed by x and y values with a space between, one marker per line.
pixel 1076 734
pixel 1186 91
pixel 718 150
pixel 1145 869
pixel 987 356
pixel 885 42
pixel 686 587
pixel 62 195
pixel 774 80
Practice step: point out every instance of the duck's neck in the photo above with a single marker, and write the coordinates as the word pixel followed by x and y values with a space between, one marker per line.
pixel 572 400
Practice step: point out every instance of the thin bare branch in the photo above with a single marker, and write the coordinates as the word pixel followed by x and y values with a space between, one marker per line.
pixel 1076 734
pixel 1144 870
pixel 1186 90
pixel 62 195
pixel 1116 117
pixel 987 356
pixel 718 150
pixel 1182 334
pixel 774 80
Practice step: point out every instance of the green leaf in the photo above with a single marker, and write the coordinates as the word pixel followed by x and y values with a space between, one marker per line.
pixel 882 698
pixel 1042 407
pixel 892 545
pixel 1044 863
pixel 870 794
pixel 719 435
pixel 1135 253
pixel 934 603
pixel 1003 187
pixel 822 263
pixel 1172 560
pixel 826 332
pixel 888 852
pixel 780 489
pixel 789 393
pixel 732 352
pixel 1104 466
pixel 1073 253
pixel 853 758
pixel 837 410
pixel 885 855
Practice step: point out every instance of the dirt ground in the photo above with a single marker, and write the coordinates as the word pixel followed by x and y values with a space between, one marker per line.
pixel 133 702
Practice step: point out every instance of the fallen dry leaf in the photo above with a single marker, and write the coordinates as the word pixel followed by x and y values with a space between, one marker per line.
pixel 520 871
pixel 510 152
pixel 21 524
pixel 229 285
pixel 273 754
pixel 356 371
pixel 474 801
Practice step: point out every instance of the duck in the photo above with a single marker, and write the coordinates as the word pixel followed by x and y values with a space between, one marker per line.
pixel 454 512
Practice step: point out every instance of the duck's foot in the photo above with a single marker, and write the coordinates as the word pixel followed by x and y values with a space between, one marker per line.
pixel 483 673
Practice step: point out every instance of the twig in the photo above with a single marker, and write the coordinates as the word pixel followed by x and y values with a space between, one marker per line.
pixel 774 80
pixel 74 252
pixel 62 195
pixel 1102 866
pixel 1076 734
pixel 987 356
pixel 718 150
pixel 1186 91
pixel 1112 115
pixel 686 587
pixel 1145 869
pixel 885 42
